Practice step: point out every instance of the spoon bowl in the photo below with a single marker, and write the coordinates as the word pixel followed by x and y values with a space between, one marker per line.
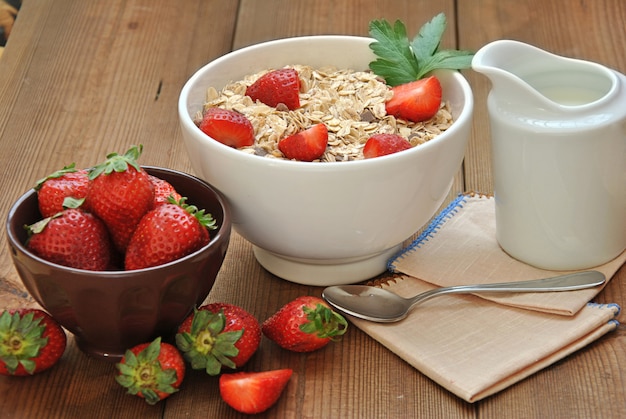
pixel 380 305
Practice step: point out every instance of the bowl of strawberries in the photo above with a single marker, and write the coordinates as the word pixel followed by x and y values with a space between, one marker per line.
pixel 118 253
pixel 333 151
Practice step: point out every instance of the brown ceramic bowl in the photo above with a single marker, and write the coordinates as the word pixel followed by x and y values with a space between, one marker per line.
pixel 111 311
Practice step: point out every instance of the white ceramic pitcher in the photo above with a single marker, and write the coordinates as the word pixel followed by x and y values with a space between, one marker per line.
pixel 558 130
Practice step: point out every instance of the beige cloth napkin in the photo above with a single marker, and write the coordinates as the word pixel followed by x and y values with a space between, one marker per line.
pixel 460 247
pixel 469 345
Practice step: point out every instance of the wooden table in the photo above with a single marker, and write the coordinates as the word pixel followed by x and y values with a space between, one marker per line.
pixel 79 79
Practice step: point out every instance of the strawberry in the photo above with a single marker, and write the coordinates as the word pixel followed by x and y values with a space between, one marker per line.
pixel 166 233
pixel 306 145
pixel 276 87
pixel 30 342
pixel 228 127
pixel 152 371
pixel 73 238
pixel 382 144
pixel 217 335
pixel 415 101
pixel 120 195
pixel 305 325
pixel 54 188
pixel 162 191
pixel 253 392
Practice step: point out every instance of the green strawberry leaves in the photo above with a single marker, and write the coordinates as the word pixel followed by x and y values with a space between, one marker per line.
pixel 21 339
pixel 402 61
pixel 59 173
pixel 205 219
pixel 207 346
pixel 118 163
pixel 324 322
pixel 143 374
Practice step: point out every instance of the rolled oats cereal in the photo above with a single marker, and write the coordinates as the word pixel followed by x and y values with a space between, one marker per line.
pixel 350 103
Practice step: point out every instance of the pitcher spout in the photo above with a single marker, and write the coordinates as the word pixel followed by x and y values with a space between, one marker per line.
pixel 524 75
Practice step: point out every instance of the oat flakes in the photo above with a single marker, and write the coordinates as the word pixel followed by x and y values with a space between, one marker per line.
pixel 350 103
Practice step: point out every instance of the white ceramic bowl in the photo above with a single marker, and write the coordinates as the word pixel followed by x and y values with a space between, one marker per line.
pixel 324 223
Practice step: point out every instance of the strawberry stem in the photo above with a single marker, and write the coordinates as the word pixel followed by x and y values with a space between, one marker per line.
pixel 118 163
pixel 21 339
pixel 324 322
pixel 206 346
pixel 59 173
pixel 205 219
pixel 142 373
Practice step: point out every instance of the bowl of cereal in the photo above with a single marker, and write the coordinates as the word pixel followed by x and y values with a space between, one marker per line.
pixel 337 219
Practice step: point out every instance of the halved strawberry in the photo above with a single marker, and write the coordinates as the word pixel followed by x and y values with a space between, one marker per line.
pixel 277 86
pixel 382 144
pixel 228 127
pixel 253 392
pixel 415 101
pixel 306 145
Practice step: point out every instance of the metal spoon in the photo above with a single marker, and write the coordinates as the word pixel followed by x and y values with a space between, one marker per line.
pixel 379 305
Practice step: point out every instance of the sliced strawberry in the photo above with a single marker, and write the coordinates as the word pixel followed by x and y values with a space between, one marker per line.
pixel 306 145
pixel 253 392
pixel 382 144
pixel 228 127
pixel 415 101
pixel 277 86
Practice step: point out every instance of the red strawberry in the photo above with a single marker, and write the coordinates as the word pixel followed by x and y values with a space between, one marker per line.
pixel 73 238
pixel 304 325
pixel 166 233
pixel 30 342
pixel 228 127
pixel 382 144
pixel 253 392
pixel 162 191
pixel 306 145
pixel 217 335
pixel 415 101
pixel 152 371
pixel 120 195
pixel 54 188
pixel 275 87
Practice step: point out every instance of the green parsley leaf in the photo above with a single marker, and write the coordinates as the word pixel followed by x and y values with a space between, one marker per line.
pixel 402 61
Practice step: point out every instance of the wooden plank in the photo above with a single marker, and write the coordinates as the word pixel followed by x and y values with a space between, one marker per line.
pixel 87 78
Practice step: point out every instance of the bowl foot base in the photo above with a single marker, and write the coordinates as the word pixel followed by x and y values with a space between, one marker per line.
pixel 324 273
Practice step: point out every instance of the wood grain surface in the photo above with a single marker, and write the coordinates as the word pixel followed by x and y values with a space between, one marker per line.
pixel 79 79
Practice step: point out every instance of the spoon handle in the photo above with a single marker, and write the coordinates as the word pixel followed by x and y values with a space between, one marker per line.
pixel 568 282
